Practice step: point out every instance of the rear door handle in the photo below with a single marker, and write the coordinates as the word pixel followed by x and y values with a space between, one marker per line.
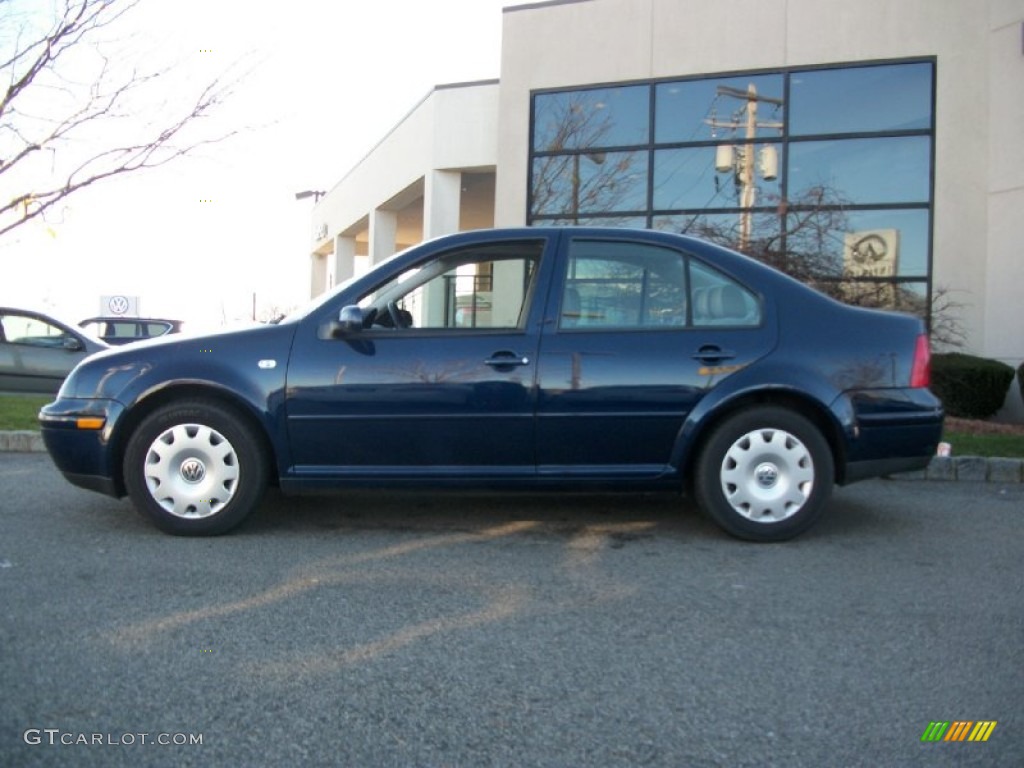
pixel 504 358
pixel 712 353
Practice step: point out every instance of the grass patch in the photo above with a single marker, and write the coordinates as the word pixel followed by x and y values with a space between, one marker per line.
pixel 20 411
pixel 1002 446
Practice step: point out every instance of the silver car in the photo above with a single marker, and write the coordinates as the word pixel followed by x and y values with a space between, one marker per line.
pixel 38 351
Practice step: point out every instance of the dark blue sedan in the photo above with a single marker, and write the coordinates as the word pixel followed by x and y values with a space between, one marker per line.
pixel 574 357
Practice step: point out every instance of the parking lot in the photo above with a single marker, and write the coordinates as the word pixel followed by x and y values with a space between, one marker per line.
pixel 387 629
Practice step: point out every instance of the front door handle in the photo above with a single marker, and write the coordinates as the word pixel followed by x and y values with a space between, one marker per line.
pixel 505 358
pixel 712 353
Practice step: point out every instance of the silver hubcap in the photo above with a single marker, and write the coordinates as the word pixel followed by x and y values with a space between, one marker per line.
pixel 191 471
pixel 767 475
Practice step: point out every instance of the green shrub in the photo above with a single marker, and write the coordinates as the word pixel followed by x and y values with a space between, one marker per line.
pixel 970 387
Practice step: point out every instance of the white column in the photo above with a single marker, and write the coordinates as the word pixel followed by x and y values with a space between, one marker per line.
pixel 442 197
pixel 317 275
pixel 344 258
pixel 383 234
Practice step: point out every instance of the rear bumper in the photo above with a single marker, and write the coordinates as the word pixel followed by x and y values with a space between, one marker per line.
pixel 891 431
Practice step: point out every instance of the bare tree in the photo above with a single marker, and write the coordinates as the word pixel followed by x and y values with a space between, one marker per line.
pixel 584 179
pixel 69 107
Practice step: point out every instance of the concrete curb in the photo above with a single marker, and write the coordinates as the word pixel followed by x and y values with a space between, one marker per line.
pixel 971 469
pixel 21 441
pixel 974 469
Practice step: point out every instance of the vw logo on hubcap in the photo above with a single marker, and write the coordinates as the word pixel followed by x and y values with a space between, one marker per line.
pixel 192 470
pixel 767 475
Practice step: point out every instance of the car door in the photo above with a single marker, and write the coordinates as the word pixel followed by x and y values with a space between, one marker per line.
pixel 438 380
pixel 642 333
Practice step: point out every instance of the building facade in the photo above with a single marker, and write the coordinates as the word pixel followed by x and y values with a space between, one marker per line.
pixel 871 148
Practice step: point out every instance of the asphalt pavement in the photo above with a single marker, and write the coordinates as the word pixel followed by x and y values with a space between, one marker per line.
pixel 385 629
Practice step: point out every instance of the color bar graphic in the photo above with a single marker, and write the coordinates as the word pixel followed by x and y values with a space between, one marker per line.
pixel 959 730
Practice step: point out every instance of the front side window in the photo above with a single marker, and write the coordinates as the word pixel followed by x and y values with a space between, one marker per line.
pixel 483 288
pixel 30 331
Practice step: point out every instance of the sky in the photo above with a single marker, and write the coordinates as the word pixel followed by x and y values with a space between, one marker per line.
pixel 319 83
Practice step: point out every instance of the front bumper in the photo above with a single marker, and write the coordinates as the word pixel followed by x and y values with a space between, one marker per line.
pixel 78 436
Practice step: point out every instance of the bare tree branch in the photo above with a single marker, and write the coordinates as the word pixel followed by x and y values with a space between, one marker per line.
pixel 46 107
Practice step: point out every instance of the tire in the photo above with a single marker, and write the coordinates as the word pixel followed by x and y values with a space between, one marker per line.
pixel 195 468
pixel 764 474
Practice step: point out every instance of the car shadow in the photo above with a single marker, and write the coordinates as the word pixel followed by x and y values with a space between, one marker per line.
pixel 625 515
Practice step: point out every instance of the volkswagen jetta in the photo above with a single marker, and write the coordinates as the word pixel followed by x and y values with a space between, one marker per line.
pixel 572 358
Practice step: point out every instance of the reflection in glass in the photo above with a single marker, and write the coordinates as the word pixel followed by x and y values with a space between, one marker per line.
pixel 636 222
pixel 887 243
pixel 743 175
pixel 725 229
pixel 859 99
pixel 589 182
pixel 884 170
pixel 598 117
pixel 843 212
pixel 702 110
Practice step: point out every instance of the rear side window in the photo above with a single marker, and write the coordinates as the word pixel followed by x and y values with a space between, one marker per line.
pixel 623 285
pixel 620 285
pixel 718 300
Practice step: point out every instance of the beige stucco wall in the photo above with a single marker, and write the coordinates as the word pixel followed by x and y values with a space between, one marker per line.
pixel 979 169
pixel 453 128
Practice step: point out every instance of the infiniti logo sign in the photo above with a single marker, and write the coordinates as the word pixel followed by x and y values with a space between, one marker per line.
pixel 192 470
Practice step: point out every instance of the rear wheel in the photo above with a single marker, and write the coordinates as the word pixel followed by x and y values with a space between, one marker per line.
pixel 765 474
pixel 195 468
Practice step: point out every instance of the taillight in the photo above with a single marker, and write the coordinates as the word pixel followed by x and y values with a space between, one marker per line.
pixel 920 372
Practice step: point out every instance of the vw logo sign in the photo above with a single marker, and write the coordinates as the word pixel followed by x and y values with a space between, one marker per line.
pixel 192 470
pixel 118 305
pixel 767 475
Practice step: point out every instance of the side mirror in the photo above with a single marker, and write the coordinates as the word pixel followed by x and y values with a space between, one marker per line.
pixel 71 344
pixel 350 320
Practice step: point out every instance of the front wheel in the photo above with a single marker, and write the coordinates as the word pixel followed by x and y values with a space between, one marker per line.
pixel 195 468
pixel 764 474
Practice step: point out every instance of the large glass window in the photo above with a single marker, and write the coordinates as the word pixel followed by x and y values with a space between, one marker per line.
pixel 698 110
pixel 691 178
pixel 591 118
pixel 896 97
pixel 824 173
pixel 866 171
pixel 590 183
